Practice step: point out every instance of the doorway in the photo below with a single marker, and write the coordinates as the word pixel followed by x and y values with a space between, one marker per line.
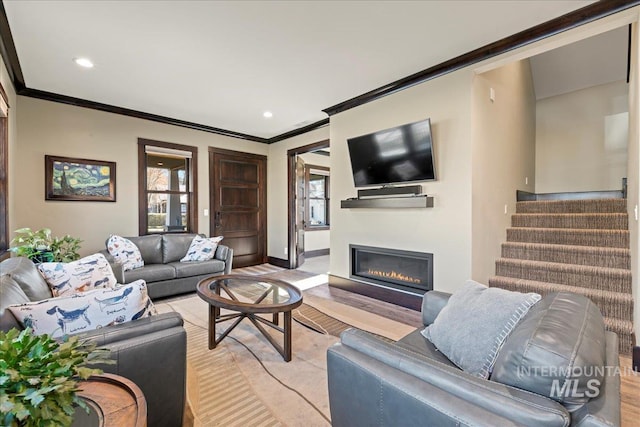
pixel 238 203
pixel 300 204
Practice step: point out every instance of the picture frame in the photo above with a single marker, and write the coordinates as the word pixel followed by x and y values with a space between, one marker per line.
pixel 72 179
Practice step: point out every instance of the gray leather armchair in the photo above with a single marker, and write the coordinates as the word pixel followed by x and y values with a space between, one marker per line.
pixel 374 381
pixel 150 351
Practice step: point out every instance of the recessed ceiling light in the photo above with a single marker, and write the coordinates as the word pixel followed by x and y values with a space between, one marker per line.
pixel 267 114
pixel 83 62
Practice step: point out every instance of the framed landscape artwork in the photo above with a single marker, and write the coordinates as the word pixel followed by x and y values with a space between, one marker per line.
pixel 67 178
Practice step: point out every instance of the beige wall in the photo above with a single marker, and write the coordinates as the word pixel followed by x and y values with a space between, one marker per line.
pixel 503 157
pixel 633 181
pixel 445 229
pixel 277 184
pixel 581 140
pixel 52 128
pixel 13 141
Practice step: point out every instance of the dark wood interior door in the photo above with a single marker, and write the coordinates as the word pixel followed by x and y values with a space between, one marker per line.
pixel 238 201
pixel 300 210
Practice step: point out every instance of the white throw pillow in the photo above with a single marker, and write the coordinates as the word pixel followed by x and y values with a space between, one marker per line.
pixel 83 275
pixel 85 311
pixel 202 249
pixel 125 252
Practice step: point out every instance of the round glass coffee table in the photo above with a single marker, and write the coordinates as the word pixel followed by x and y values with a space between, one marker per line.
pixel 248 296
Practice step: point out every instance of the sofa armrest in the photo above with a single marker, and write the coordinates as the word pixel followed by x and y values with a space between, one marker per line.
pixel 432 303
pixel 137 328
pixel 367 374
pixel 225 253
pixel 151 352
pixel 604 410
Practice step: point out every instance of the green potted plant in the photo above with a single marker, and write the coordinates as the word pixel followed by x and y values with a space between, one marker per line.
pixel 41 246
pixel 39 377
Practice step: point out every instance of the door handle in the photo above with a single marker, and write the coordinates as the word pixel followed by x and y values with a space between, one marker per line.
pixel 217 222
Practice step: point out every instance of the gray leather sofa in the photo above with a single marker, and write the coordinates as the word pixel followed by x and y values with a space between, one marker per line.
pixel 150 351
pixel 374 381
pixel 164 273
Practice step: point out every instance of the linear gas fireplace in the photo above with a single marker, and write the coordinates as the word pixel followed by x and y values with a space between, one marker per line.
pixel 402 270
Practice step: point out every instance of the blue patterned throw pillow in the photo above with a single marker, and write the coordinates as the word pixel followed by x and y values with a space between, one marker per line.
pixel 125 252
pixel 83 275
pixel 85 311
pixel 202 249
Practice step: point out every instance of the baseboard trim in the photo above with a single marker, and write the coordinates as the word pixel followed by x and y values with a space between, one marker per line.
pixel 412 301
pixel 317 252
pixel 278 262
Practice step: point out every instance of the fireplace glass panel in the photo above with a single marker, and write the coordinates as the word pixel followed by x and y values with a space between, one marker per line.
pixel 405 270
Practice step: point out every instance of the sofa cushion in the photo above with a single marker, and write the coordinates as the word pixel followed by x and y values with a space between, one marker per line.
pixel 150 247
pixel 85 311
pixel 555 350
pixel 85 274
pixel 188 269
pixel 202 249
pixel 151 273
pixel 471 328
pixel 174 246
pixel 25 273
pixel 10 294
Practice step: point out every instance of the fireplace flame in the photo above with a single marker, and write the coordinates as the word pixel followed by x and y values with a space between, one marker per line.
pixel 394 275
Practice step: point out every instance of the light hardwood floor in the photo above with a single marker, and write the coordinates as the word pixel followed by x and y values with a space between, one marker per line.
pixel 630 381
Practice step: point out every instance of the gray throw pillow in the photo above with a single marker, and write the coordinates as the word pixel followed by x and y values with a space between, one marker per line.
pixel 472 327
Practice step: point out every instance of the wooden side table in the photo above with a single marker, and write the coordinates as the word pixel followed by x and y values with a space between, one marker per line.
pixel 117 402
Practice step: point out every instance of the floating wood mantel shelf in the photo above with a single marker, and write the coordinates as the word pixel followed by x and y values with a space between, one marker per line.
pixel 389 202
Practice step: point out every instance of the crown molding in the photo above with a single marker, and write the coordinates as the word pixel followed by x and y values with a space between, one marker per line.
pixel 78 102
pixel 565 22
pixel 299 131
pixel 550 28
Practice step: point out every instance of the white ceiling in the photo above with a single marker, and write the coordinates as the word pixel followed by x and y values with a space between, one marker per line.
pixel 594 61
pixel 224 63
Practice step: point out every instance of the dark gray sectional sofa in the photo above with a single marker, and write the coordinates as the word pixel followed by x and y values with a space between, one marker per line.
pixel 164 273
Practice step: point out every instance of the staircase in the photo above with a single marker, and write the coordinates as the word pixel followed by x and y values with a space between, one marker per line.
pixel 579 246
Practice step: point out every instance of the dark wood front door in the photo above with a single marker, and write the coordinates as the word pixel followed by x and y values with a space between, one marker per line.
pixel 238 201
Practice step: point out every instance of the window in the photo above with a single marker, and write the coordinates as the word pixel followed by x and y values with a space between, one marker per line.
pixel 167 193
pixel 317 189
pixel 4 171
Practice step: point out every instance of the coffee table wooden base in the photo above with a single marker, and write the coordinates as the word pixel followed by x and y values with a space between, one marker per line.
pixel 255 298
pixel 215 318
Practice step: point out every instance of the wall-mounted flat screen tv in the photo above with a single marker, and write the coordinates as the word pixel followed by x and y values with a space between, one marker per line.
pixel 400 154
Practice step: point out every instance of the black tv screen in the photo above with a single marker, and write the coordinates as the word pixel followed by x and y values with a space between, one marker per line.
pixel 399 154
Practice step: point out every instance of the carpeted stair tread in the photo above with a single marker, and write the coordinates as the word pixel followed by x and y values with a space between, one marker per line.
pixel 579 246
pixel 573 206
pixel 570 236
pixel 568 254
pixel 616 307
pixel 612 304
pixel 585 276
pixel 619 325
pixel 607 221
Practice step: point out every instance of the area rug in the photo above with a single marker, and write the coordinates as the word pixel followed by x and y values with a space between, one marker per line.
pixel 245 382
